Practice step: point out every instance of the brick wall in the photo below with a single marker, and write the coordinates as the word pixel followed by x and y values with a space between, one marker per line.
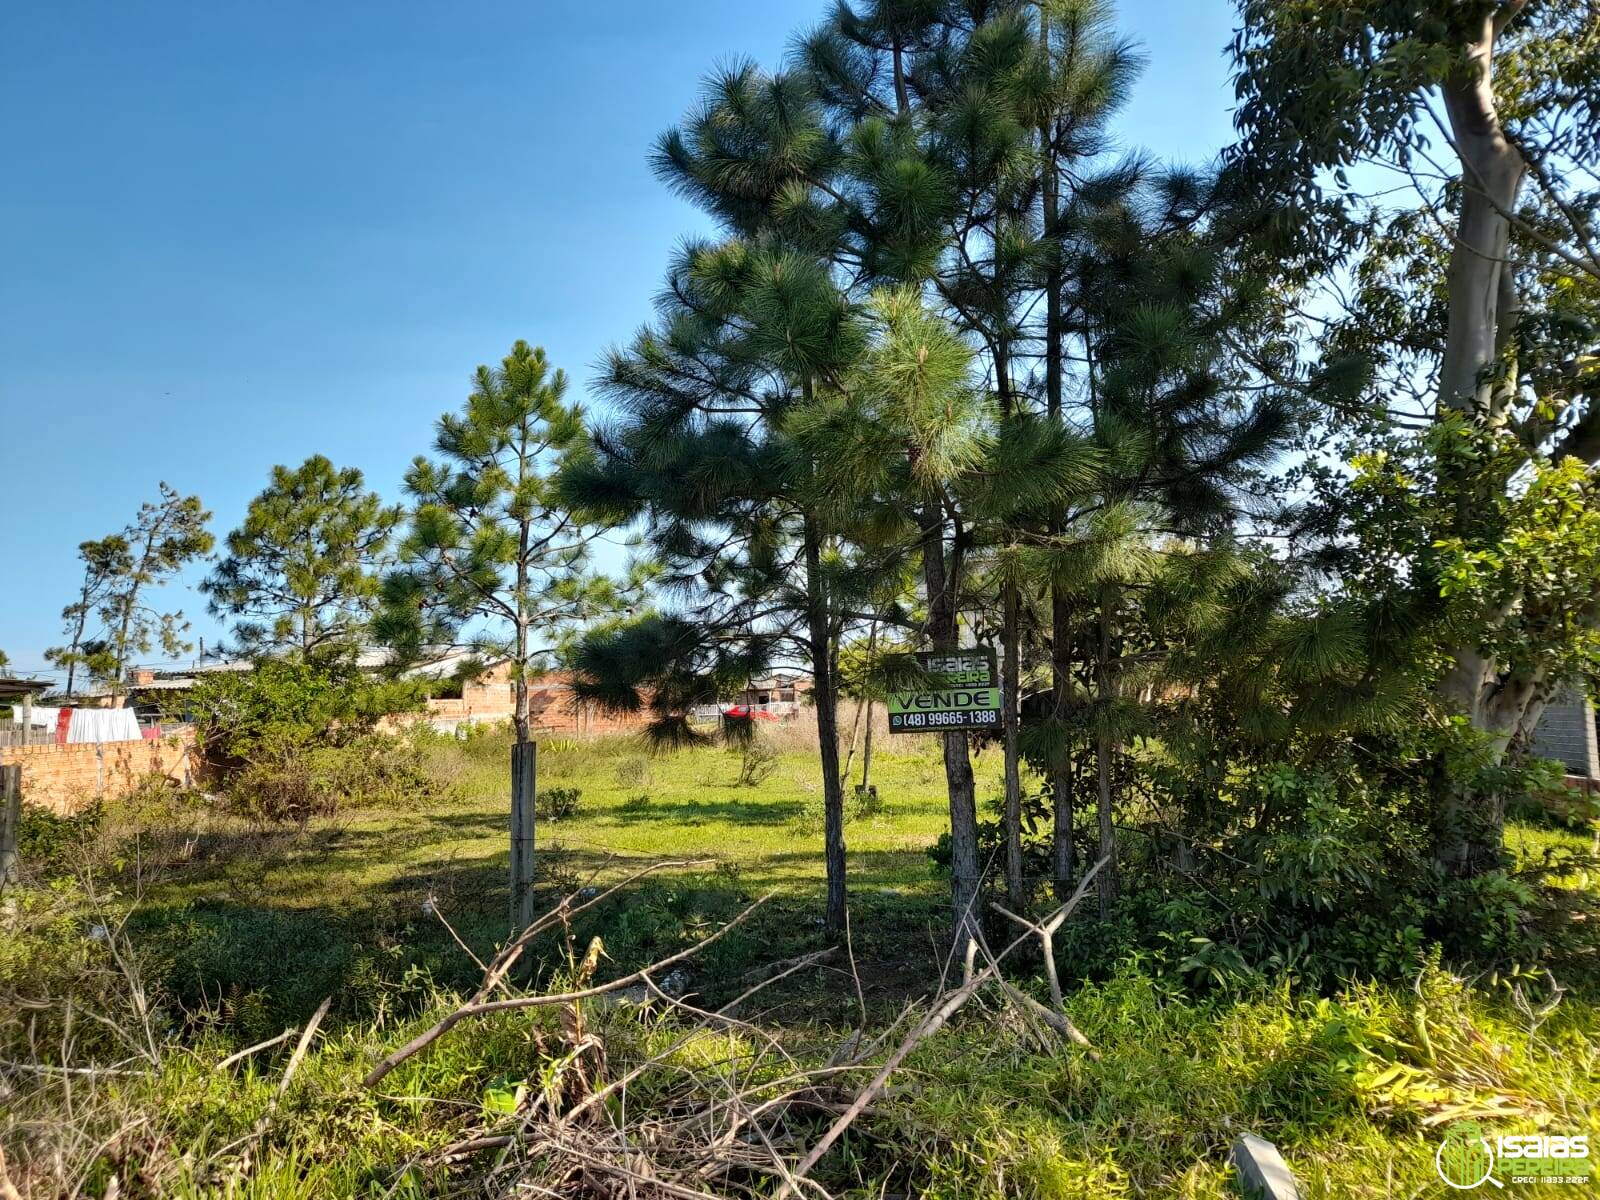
pixel 67 779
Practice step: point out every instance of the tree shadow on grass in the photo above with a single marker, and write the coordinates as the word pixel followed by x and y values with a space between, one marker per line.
pixel 690 813
pixel 253 928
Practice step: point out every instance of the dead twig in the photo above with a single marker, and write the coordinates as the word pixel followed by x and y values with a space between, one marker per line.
pixel 484 1007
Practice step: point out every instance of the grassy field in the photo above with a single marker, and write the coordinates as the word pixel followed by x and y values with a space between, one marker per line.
pixel 235 932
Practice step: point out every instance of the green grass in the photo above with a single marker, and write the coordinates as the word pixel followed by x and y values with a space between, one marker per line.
pixel 238 932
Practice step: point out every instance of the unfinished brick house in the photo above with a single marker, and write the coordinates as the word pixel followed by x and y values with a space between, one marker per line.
pixel 552 706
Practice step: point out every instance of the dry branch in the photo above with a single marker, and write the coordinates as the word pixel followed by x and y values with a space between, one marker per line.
pixel 484 1007
pixel 930 1025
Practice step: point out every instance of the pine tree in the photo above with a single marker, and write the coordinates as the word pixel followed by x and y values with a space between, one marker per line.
pixel 749 334
pixel 493 558
pixel 302 572
pixel 104 562
pixel 168 534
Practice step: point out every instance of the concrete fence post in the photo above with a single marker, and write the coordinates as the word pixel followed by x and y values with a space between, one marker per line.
pixel 10 821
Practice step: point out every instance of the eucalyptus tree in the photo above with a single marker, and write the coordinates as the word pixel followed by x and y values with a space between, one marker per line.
pixel 1446 158
pixel 302 572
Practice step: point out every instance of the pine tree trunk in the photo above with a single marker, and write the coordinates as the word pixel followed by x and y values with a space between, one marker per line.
pixel 825 694
pixel 1061 849
pixel 1106 881
pixel 959 785
pixel 866 751
pixel 957 764
pixel 1010 697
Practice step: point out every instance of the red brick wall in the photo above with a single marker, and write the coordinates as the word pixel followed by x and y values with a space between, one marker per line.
pixel 67 779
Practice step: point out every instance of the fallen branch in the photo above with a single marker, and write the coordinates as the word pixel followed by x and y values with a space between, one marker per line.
pixel 249 1050
pixel 484 1007
pixel 931 1024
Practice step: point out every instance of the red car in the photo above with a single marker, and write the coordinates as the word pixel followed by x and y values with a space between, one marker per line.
pixel 743 712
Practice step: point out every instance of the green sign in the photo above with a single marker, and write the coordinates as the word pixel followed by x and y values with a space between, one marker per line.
pixel 966 694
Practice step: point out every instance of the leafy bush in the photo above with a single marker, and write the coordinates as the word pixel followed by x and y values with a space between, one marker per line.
pixel 555 804
pixel 636 803
pixel 1319 868
pixel 291 740
pixel 284 705
pixel 47 844
pixel 296 783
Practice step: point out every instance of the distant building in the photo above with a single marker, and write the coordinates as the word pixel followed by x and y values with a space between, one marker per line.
pixel 1566 733
pixel 466 690
pixel 781 695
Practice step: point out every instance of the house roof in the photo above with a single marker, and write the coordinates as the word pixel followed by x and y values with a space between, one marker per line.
pixel 437 663
pixel 13 687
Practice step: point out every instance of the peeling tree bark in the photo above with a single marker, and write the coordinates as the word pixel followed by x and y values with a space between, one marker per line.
pixel 1482 311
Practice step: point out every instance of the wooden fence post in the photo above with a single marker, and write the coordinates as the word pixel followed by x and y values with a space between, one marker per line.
pixel 524 781
pixel 10 821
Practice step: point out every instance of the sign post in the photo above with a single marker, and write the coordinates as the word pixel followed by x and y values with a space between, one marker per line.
pixel 963 692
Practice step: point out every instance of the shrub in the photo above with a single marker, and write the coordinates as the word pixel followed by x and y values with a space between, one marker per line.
pixel 296 783
pixel 865 801
pixel 636 803
pixel 47 844
pixel 283 705
pixel 757 762
pixel 554 804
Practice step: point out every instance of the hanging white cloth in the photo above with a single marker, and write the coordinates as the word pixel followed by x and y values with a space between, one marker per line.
pixel 40 716
pixel 103 725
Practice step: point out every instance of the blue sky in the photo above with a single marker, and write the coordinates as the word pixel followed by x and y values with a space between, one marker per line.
pixel 237 235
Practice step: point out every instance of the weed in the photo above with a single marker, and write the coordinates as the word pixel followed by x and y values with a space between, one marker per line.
pixel 633 772
pixel 757 762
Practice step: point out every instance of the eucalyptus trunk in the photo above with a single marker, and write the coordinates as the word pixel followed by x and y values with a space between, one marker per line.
pixel 1482 310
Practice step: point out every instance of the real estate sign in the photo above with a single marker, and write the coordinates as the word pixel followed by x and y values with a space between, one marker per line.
pixel 963 693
